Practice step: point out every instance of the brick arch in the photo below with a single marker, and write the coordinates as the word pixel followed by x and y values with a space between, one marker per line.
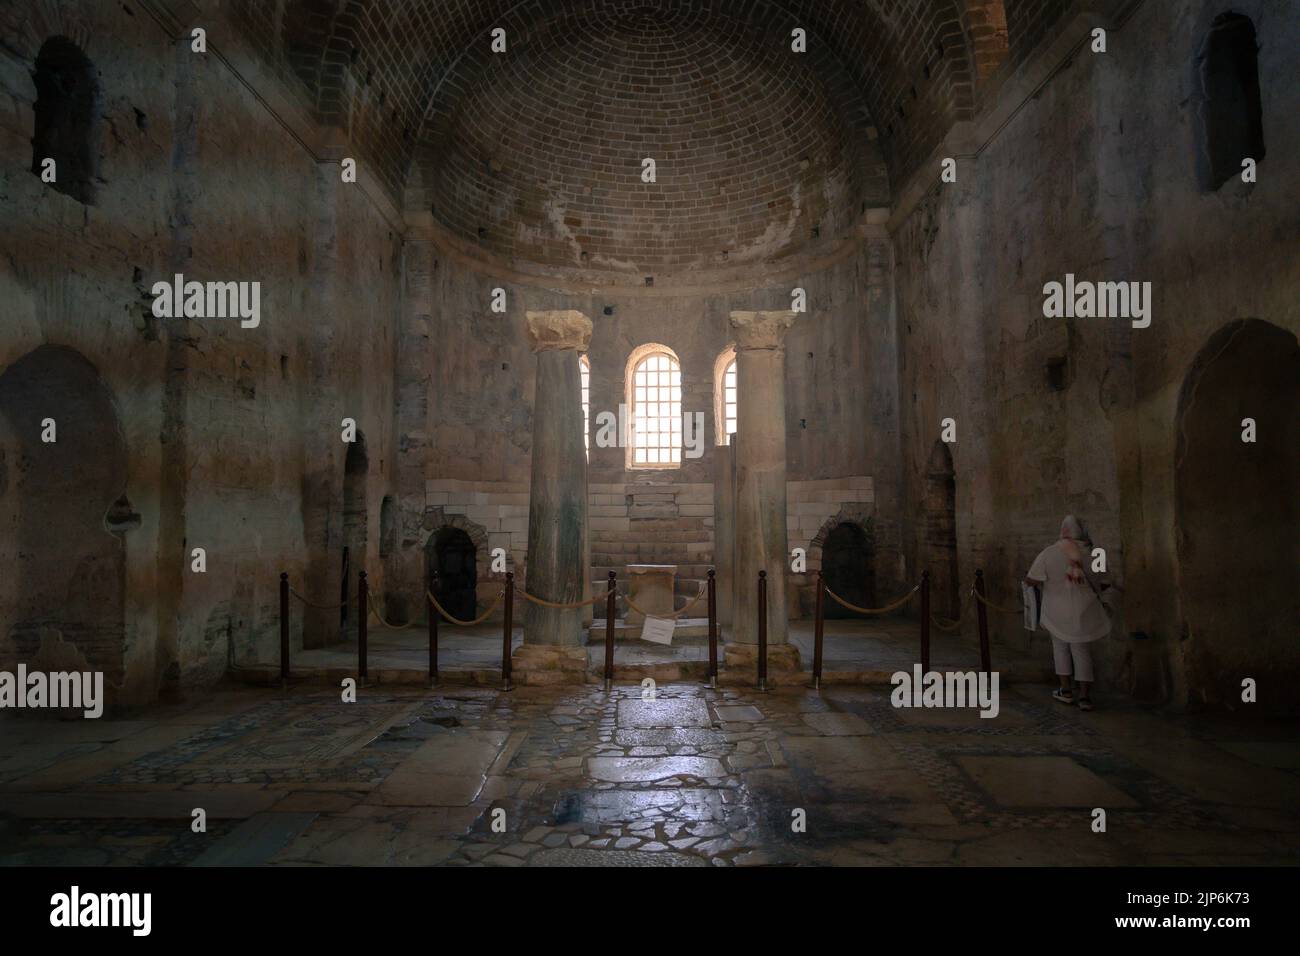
pixel 488 584
pixel 849 514
pixel 435 519
pixel 30 25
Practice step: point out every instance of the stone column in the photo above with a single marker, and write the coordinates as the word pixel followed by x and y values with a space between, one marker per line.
pixel 760 526
pixel 724 533
pixel 557 503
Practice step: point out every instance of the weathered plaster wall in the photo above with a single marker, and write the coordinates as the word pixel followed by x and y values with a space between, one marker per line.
pixel 232 434
pixel 1095 175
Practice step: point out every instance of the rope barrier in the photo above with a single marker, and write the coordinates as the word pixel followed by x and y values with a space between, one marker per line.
pixel 374 609
pixel 321 607
pixel 676 614
pixel 457 621
pixel 892 606
pixel 987 603
pixel 564 607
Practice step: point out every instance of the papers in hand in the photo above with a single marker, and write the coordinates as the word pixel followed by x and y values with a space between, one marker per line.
pixel 1029 594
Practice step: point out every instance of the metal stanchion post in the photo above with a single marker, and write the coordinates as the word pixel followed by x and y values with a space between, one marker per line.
pixel 762 630
pixel 433 629
pixel 925 623
pixel 507 630
pixel 819 627
pixel 609 633
pixel 284 628
pixel 985 663
pixel 713 628
pixel 363 625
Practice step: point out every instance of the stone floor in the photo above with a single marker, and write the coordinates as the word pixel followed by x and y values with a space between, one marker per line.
pixel 560 776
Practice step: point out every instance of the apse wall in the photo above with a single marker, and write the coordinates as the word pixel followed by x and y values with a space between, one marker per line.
pixel 466 421
pixel 1096 175
pixel 232 434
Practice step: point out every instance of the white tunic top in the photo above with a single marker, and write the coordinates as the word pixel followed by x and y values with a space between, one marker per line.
pixel 1071 612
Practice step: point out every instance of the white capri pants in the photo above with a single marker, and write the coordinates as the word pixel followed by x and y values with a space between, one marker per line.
pixel 1079 652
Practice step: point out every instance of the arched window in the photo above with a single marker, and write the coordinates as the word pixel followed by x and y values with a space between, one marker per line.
pixel 584 374
pixel 1231 117
pixel 654 385
pixel 724 396
pixel 67 103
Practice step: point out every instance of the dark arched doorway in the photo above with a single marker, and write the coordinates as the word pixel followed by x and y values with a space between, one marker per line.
pixel 66 111
pixel 63 510
pixel 450 552
pixel 939 542
pixel 1237 511
pixel 848 568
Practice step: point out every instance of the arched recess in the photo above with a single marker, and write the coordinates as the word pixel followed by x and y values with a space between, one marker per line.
pixel 66 118
pixel 452 554
pixel 1229 111
pixel 64 514
pixel 848 564
pixel 1238 516
pixel 356 473
pixel 939 531
pixel 470 542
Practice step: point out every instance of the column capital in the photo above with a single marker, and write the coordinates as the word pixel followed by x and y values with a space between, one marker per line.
pixel 558 330
pixel 762 330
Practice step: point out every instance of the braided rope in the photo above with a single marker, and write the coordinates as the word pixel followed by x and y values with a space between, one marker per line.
pixel 676 614
pixel 943 624
pixel 373 607
pixel 321 607
pixel 987 603
pixel 892 606
pixel 457 621
pixel 565 607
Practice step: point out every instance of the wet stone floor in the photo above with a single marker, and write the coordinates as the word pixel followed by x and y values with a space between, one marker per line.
pixel 465 776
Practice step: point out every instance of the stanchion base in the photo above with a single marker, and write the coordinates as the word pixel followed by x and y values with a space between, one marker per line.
pixel 816 683
pixel 609 685
pixel 762 683
pixel 713 681
pixel 507 686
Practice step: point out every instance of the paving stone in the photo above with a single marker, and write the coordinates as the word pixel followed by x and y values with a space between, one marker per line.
pixel 625 769
pixel 1043 782
pixel 663 712
pixel 742 713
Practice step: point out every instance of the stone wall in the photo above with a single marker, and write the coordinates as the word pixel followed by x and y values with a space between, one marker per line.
pixel 1094 173
pixel 231 434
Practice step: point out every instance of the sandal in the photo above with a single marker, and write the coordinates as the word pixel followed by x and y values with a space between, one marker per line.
pixel 1085 703
pixel 1064 696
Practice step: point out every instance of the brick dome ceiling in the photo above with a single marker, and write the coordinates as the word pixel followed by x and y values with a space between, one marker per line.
pixel 536 153
pixel 541 157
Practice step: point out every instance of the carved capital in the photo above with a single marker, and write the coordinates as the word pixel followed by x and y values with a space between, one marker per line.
pixel 558 330
pixel 762 330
